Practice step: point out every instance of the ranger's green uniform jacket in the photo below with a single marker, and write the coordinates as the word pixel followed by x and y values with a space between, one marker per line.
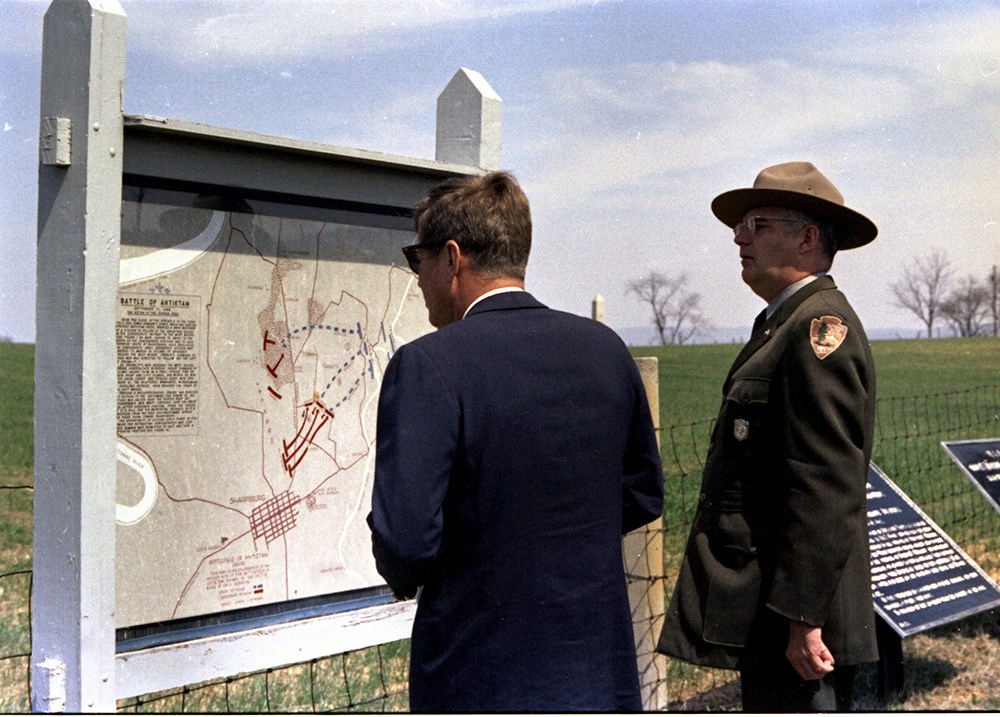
pixel 781 524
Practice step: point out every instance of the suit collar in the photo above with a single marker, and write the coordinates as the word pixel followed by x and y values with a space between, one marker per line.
pixel 789 305
pixel 790 290
pixel 780 315
pixel 488 294
pixel 505 301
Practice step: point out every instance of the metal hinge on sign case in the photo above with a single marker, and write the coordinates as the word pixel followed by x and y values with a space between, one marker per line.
pixel 55 141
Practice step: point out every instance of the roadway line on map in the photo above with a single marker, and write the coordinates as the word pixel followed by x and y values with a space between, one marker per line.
pixel 133 458
pixel 372 397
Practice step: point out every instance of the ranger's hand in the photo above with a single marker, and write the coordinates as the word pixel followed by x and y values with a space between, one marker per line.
pixel 807 652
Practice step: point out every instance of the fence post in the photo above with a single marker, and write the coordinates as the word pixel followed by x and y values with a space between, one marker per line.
pixel 643 550
pixel 79 225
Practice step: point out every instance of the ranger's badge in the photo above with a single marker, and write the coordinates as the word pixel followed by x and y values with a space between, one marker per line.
pixel 826 335
pixel 741 429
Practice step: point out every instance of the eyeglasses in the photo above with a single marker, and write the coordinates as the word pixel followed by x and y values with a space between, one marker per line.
pixel 750 225
pixel 412 253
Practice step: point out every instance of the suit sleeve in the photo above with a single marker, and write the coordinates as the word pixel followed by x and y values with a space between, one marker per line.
pixel 416 443
pixel 642 472
pixel 824 404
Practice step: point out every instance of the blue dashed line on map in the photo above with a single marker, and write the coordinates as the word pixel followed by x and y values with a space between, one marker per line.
pixel 350 393
pixel 337 375
pixel 320 327
pixel 363 351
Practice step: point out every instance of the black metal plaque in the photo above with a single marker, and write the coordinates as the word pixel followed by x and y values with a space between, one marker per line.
pixel 980 460
pixel 920 577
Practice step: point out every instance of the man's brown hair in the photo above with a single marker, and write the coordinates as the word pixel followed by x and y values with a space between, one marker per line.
pixel 487 216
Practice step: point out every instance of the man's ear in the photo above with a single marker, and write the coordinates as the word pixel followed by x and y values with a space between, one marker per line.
pixel 454 255
pixel 810 239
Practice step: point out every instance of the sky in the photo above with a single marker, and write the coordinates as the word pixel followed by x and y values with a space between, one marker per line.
pixel 622 121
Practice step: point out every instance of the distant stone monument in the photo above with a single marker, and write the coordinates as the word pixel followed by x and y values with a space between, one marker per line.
pixel 597 308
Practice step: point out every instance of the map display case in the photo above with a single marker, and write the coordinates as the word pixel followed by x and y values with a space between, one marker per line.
pixel 252 335
pixel 261 294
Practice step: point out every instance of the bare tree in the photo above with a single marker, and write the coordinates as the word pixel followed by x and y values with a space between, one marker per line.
pixel 923 288
pixel 967 307
pixel 675 309
pixel 993 287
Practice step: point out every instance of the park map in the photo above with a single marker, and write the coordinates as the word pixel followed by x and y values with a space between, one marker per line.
pixel 250 353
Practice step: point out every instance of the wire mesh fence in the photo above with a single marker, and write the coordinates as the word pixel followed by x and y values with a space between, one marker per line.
pixel 370 680
pixel 15 593
pixel 907 447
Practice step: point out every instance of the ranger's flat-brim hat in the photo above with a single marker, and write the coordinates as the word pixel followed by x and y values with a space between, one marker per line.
pixel 797 185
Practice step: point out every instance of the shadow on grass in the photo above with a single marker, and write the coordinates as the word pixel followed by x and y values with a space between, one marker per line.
pixel 947 665
pixel 921 674
pixel 724 698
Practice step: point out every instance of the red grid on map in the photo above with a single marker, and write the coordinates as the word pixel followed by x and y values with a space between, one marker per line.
pixel 274 518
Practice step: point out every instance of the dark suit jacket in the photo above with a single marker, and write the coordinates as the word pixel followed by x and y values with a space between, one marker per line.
pixel 781 527
pixel 515 447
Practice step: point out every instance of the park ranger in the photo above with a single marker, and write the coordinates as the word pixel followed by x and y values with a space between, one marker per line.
pixel 775 580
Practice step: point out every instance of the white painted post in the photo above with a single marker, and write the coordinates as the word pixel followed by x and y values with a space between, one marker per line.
pixel 468 122
pixel 597 308
pixel 79 225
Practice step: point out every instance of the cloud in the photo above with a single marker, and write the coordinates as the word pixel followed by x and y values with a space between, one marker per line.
pixel 906 82
pixel 903 117
pixel 246 32
pixel 402 123
pixel 686 117
pixel 955 47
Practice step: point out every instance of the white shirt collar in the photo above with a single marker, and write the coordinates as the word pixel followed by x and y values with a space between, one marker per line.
pixel 789 290
pixel 494 292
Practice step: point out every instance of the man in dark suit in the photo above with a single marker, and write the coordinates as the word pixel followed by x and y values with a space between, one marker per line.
pixel 775 580
pixel 515 447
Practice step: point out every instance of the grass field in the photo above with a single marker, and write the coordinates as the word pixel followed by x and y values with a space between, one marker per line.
pixel 16 449
pixel 691 380
pixel 949 668
pixel 691 376
pixel 17 366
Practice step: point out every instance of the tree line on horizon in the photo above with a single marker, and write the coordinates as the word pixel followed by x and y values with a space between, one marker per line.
pixel 929 289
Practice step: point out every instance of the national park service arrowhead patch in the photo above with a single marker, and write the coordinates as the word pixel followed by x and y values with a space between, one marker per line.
pixel 826 334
